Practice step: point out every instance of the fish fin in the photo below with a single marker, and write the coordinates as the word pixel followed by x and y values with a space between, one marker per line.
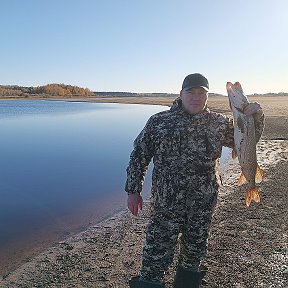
pixel 234 153
pixel 252 194
pixel 230 105
pixel 259 174
pixel 241 180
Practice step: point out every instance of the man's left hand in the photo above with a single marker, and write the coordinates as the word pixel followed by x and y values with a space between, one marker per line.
pixel 254 109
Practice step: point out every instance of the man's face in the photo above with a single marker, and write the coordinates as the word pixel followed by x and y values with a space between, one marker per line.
pixel 194 100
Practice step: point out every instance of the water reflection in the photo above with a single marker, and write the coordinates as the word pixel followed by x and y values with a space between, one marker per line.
pixel 62 160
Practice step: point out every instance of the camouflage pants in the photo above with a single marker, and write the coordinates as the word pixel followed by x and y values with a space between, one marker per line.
pixel 188 223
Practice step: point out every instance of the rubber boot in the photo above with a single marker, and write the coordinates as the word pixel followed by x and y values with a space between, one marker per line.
pixel 135 282
pixel 188 279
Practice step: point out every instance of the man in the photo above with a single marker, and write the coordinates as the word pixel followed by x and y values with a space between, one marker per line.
pixel 185 143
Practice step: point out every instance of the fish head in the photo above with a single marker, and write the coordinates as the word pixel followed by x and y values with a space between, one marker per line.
pixel 236 96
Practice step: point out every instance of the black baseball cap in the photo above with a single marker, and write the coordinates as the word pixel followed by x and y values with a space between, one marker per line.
pixel 195 80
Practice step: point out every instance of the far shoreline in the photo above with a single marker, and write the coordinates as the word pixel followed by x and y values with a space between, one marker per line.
pixel 216 102
pixel 274 107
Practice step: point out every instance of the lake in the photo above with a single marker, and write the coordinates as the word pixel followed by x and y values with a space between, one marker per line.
pixel 63 168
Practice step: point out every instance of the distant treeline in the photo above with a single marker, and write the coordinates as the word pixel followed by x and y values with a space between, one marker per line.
pixel 58 90
pixel 66 91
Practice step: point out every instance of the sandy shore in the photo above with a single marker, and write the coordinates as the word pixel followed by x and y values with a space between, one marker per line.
pixel 247 247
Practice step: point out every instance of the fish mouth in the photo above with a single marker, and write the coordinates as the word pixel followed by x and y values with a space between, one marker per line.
pixel 236 96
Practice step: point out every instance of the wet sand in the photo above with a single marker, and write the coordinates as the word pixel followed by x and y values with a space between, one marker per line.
pixel 247 246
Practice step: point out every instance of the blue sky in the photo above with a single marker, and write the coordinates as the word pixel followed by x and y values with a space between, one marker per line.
pixel 145 45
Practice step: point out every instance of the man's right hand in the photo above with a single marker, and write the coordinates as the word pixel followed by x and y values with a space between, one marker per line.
pixel 134 203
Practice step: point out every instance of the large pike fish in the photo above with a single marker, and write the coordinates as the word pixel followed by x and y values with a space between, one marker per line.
pixel 245 142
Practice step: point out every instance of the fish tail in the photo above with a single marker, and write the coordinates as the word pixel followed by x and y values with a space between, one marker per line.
pixel 252 194
pixel 259 174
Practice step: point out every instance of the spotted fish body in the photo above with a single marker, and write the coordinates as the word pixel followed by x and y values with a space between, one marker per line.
pixel 245 142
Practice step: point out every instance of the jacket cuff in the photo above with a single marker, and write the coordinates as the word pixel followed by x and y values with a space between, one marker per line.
pixel 132 192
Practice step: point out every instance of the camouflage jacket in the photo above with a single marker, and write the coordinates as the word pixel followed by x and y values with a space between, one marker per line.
pixel 181 145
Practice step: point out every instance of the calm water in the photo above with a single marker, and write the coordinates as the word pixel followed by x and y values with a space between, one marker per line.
pixel 63 167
